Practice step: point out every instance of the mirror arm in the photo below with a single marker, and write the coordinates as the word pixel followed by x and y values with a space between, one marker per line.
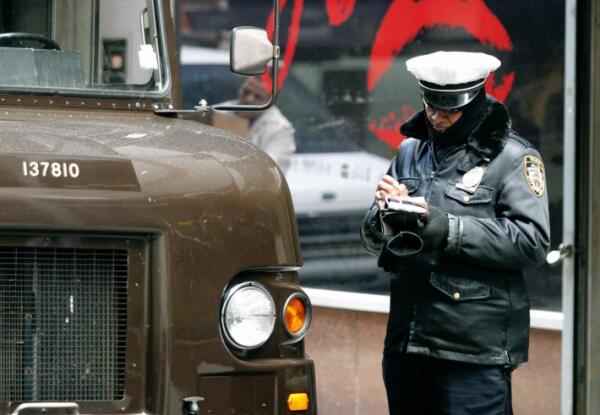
pixel 274 72
pixel 143 26
pixel 269 103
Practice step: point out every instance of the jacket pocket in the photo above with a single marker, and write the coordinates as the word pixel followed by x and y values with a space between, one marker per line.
pixel 460 289
pixel 464 316
pixel 482 195
pixel 411 183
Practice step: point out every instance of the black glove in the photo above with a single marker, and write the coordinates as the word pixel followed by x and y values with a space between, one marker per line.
pixel 399 220
pixel 397 248
pixel 435 232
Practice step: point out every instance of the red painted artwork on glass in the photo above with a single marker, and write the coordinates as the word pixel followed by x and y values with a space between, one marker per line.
pixel 339 11
pixel 292 40
pixel 403 22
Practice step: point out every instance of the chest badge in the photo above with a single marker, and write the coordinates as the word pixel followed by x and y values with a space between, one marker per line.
pixel 534 173
pixel 471 179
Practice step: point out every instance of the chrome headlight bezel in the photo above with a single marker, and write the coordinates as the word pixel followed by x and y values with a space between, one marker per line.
pixel 229 295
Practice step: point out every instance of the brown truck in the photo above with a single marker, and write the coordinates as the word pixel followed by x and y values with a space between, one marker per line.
pixel 147 261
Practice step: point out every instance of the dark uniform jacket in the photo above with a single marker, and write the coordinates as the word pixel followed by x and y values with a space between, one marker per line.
pixel 469 303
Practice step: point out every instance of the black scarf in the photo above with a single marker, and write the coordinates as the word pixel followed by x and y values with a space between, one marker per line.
pixel 445 141
pixel 485 142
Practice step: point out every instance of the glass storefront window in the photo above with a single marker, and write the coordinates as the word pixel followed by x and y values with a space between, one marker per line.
pixel 345 93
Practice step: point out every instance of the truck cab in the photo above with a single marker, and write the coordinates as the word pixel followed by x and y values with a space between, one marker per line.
pixel 148 262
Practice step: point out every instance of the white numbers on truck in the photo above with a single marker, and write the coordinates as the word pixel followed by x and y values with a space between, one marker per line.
pixel 73 170
pixel 50 169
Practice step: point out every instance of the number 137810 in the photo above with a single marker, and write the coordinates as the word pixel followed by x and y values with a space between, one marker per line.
pixel 50 169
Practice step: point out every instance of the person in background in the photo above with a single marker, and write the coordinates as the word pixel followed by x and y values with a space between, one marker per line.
pixel 269 130
pixel 459 309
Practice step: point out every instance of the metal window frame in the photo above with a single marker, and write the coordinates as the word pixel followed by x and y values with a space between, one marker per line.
pixel 586 333
pixel 97 93
pixel 569 189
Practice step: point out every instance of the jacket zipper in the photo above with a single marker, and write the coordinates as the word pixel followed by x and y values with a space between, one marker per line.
pixel 433 169
pixel 507 357
pixel 434 164
pixel 431 177
pixel 412 329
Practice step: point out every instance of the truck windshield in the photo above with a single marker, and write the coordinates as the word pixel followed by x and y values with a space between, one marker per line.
pixel 99 47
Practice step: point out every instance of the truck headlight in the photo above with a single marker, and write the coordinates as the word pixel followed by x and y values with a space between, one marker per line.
pixel 248 316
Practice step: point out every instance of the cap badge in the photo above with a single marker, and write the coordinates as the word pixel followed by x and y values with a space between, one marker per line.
pixel 471 179
pixel 534 173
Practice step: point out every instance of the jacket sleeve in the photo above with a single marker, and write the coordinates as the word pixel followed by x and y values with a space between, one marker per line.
pixel 370 231
pixel 518 237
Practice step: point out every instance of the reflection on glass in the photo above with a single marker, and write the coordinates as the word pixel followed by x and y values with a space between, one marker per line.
pixel 346 92
pixel 79 45
pixel 269 130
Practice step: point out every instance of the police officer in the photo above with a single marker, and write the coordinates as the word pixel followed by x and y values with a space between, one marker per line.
pixel 459 311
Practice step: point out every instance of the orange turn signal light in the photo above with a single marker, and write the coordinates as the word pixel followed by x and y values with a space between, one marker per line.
pixel 298 402
pixel 295 315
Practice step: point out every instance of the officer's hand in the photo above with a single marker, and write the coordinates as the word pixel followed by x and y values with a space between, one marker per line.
pixel 389 187
pixel 435 232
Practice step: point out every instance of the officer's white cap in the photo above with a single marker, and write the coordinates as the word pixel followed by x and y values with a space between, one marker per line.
pixel 450 80
pixel 451 68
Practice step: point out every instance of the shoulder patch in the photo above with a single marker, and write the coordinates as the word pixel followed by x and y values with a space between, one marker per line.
pixel 533 167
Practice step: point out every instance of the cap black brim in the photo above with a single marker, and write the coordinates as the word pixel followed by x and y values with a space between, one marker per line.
pixel 449 97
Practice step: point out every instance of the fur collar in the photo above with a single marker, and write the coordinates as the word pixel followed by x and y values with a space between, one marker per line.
pixel 486 140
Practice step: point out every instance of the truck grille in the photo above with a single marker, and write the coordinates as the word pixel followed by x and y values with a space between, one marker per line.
pixel 63 323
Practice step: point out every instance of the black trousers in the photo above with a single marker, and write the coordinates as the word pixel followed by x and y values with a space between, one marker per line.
pixel 422 385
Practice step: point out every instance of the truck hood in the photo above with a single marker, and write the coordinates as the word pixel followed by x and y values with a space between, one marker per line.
pixel 145 173
pixel 135 136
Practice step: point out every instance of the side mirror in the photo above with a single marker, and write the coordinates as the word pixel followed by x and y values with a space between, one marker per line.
pixel 251 51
